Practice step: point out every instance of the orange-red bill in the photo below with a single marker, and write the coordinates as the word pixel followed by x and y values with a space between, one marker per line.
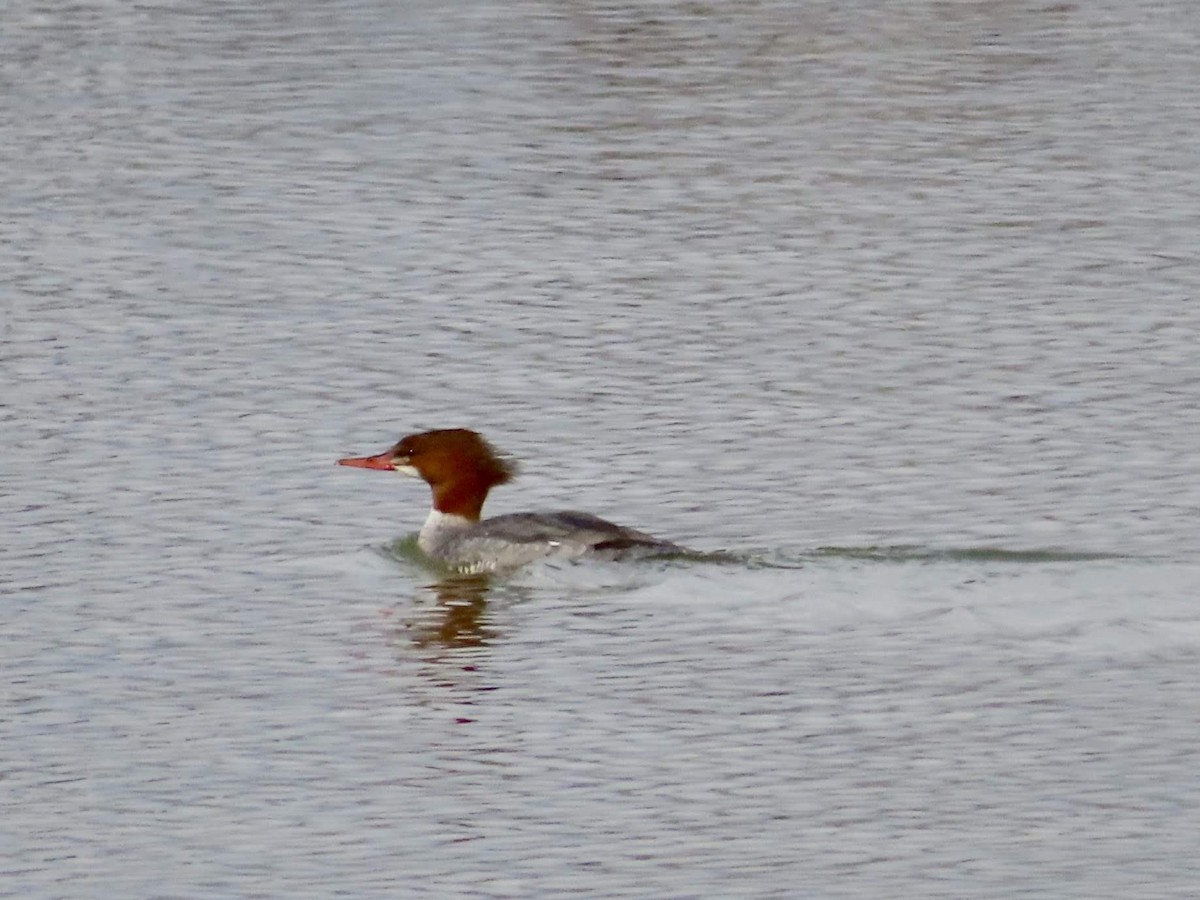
pixel 382 461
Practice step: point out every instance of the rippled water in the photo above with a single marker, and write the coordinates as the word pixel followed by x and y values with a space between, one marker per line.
pixel 895 303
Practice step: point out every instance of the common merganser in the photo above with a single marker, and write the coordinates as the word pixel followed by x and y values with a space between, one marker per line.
pixel 460 468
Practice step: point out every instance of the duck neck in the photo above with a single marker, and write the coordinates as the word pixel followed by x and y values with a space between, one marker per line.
pixel 461 497
pixel 440 526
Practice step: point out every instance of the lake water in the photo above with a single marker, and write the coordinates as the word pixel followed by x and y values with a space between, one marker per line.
pixel 894 302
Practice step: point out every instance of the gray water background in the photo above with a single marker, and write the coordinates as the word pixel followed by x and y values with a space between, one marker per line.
pixel 897 302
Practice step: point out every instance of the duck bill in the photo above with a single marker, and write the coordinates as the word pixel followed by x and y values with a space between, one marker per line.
pixel 382 461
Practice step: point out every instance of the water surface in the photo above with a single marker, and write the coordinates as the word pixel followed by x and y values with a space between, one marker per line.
pixel 894 303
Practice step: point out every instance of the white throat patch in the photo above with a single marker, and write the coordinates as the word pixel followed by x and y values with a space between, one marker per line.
pixel 438 527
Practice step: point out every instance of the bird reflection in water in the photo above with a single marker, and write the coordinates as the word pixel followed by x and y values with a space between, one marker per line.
pixel 457 617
